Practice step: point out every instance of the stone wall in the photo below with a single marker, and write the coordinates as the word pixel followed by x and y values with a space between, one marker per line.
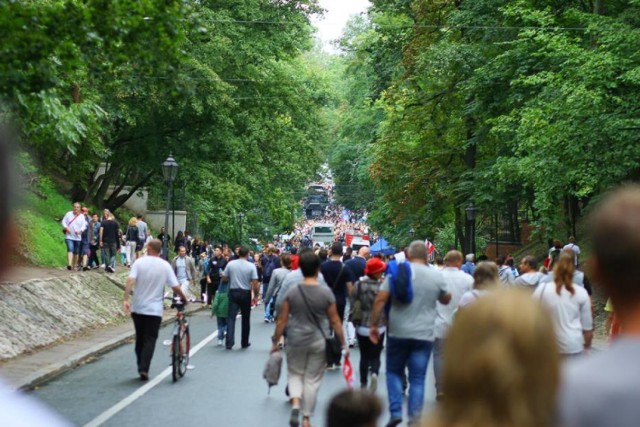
pixel 41 312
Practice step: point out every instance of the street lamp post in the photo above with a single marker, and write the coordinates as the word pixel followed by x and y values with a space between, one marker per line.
pixel 169 172
pixel 240 219
pixel 470 211
pixel 412 232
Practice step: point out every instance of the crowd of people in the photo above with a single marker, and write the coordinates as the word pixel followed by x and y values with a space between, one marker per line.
pixel 511 344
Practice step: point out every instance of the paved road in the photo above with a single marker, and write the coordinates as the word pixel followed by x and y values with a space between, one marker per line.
pixel 224 388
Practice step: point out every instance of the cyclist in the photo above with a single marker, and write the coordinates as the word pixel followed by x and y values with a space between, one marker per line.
pixel 149 275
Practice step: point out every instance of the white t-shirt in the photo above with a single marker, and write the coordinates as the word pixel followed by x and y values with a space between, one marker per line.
pixel 75 224
pixel 151 274
pixel 471 296
pixel 576 251
pixel 571 315
pixel 458 283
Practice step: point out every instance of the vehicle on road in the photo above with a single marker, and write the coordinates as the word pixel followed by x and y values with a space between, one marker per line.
pixel 322 233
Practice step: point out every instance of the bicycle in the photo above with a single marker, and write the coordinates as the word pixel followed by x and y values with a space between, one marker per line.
pixel 180 342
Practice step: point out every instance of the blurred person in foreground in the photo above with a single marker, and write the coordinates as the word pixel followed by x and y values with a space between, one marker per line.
pixel 354 409
pixel 308 311
pixel 603 389
pixel 501 365
pixel 16 408
pixel 569 306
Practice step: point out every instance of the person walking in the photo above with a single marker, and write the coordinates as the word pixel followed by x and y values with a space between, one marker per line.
pixel 277 278
pixel 73 225
pixel 242 276
pixel 306 312
pixel 143 230
pixel 83 259
pixel 94 241
pixel 485 280
pixel 529 277
pixel 501 366
pixel 217 264
pixel 148 277
pixel 458 283
pixel 569 306
pixel 411 332
pixel 109 241
pixel 575 248
pixel 185 271
pixel 131 239
pixel 363 297
pixel 340 278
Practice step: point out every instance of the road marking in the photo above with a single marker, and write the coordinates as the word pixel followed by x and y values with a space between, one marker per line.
pixel 109 413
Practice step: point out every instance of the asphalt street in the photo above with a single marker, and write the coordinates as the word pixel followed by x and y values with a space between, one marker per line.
pixel 224 388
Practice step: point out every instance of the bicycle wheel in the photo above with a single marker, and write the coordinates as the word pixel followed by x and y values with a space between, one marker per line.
pixel 185 347
pixel 175 357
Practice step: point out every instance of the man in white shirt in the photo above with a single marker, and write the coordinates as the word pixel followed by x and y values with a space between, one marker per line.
pixel 73 225
pixel 458 282
pixel 575 248
pixel 149 275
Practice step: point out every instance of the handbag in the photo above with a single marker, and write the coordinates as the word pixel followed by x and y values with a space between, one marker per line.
pixel 333 349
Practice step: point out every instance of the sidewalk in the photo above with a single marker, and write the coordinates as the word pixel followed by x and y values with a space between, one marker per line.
pixel 29 371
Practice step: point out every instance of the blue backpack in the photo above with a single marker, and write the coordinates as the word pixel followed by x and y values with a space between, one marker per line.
pixel 400 281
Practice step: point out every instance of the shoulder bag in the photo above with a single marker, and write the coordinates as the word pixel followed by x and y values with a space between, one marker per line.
pixel 333 350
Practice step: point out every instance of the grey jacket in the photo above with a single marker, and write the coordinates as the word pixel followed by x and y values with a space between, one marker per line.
pixel 191 268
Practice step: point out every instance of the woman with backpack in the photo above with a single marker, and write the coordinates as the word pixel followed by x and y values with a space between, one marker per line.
pixel 363 296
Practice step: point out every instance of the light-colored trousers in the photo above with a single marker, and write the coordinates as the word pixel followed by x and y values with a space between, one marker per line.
pixel 131 252
pixel 305 366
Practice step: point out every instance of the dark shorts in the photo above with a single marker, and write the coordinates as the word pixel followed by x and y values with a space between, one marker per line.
pixel 73 246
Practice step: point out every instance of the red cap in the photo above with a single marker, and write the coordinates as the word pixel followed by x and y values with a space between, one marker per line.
pixel 375 265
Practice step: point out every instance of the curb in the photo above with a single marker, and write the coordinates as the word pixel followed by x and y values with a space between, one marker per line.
pixel 54 370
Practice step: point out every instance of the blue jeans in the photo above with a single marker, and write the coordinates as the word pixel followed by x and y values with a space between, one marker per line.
pixel 414 354
pixel 222 327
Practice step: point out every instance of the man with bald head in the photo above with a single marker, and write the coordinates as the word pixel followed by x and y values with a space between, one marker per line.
pixel 359 262
pixel 604 389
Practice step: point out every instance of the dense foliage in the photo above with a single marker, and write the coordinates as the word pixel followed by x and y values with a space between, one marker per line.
pixel 529 108
pixel 228 86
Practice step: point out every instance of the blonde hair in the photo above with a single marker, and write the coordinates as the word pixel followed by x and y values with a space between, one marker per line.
pixel 133 222
pixel 501 365
pixel 485 276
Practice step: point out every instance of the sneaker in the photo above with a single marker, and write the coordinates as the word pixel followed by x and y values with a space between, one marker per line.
pixel 220 342
pixel 144 376
pixel 393 422
pixel 103 266
pixel 294 419
pixel 86 268
pixel 374 383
